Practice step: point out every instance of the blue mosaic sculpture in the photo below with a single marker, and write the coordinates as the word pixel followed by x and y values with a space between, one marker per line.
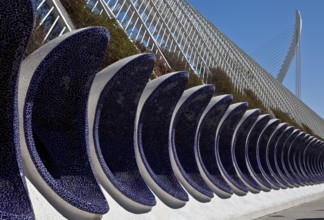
pixel 279 155
pixel 303 161
pixel 303 151
pixel 112 105
pixel 285 158
pixel 240 149
pixel 205 145
pixel 15 30
pixel 312 156
pixel 292 157
pixel 152 124
pixel 224 148
pixel 75 125
pixel 270 154
pixel 319 160
pixel 182 132
pixel 298 158
pixel 53 92
pixel 308 155
pixel 251 155
pixel 300 162
pixel 262 149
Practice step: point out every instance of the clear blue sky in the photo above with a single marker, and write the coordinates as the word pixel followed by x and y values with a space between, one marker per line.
pixel 252 23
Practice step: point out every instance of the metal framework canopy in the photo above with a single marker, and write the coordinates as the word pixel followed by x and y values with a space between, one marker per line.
pixel 175 26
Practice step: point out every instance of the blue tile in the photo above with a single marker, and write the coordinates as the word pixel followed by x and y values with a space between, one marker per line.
pixel 16 23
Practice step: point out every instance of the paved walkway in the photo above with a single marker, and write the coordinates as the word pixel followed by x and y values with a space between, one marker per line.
pixel 308 211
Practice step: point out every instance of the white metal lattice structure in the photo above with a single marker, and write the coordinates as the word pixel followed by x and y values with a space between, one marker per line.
pixel 176 26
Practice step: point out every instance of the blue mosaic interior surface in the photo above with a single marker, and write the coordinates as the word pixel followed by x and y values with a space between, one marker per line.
pixel 114 132
pixel 262 151
pixel 16 23
pixel 240 148
pixel 223 144
pixel 297 159
pixel 285 158
pixel 291 156
pixel 207 143
pixel 55 114
pixel 185 125
pixel 252 149
pixel 270 154
pixel 319 148
pixel 155 122
pixel 312 154
pixel 279 154
pixel 302 160
pixel 312 159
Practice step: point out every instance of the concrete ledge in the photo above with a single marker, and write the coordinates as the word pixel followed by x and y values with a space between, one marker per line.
pixel 250 206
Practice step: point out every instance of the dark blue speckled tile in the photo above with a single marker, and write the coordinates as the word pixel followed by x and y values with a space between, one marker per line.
pixel 302 166
pixel 205 145
pixel 153 117
pixel 261 150
pixel 223 147
pixel 53 92
pixel 306 155
pixel 239 149
pixel 279 154
pixel 298 162
pixel 251 155
pixel 285 158
pixel 312 154
pixel 16 24
pixel 319 161
pixel 182 133
pixel 292 155
pixel 112 106
pixel 270 154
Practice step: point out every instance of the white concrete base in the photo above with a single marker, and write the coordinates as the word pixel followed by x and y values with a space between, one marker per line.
pixel 250 206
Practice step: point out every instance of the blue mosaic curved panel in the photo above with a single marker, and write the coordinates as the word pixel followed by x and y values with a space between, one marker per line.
pixel 182 132
pixel 302 160
pixel 251 155
pixel 205 145
pixel 15 30
pixel 153 118
pixel 279 149
pixel 53 93
pixel 285 156
pixel 240 149
pixel 270 154
pixel 320 160
pixel 224 148
pixel 292 157
pixel 312 161
pixel 261 150
pixel 307 157
pixel 112 106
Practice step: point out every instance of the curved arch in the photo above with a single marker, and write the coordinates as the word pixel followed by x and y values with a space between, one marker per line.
pixel 205 145
pixel 152 122
pixel 292 50
pixel 54 85
pixel 182 131
pixel 223 147
pixel 112 104
pixel 239 148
